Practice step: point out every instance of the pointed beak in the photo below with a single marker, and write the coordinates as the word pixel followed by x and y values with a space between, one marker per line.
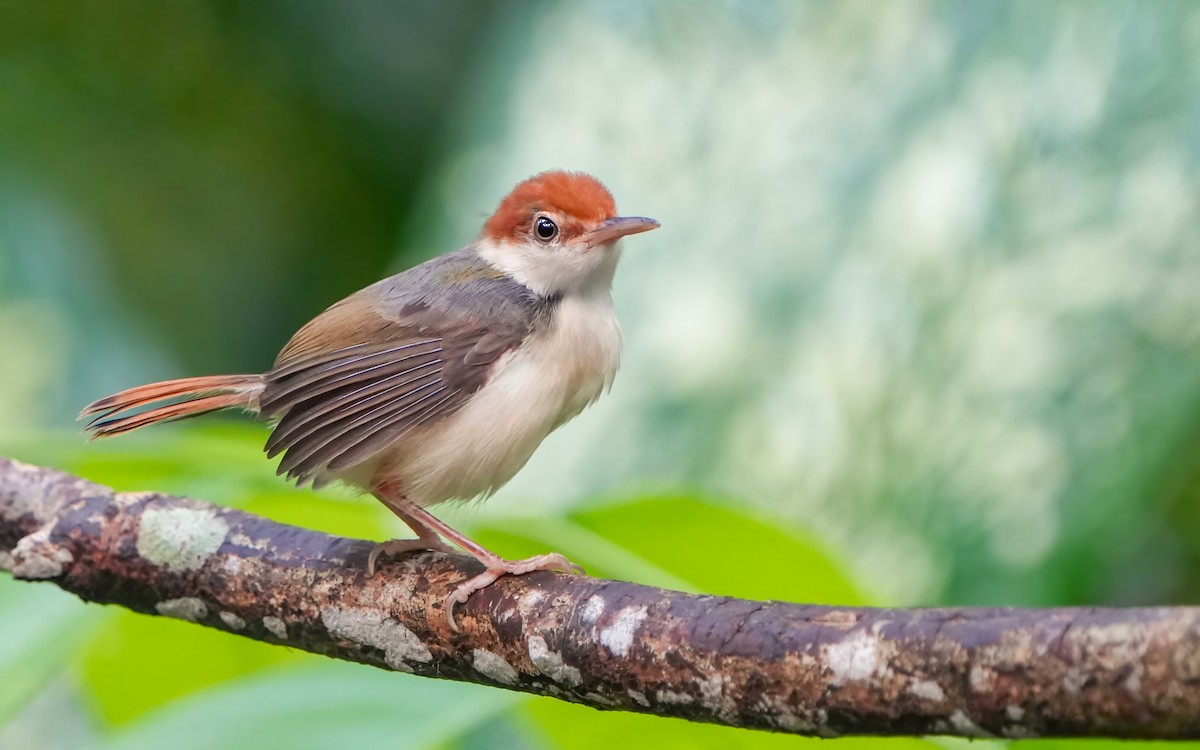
pixel 618 227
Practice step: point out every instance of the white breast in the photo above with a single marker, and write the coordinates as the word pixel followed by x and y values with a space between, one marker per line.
pixel 552 377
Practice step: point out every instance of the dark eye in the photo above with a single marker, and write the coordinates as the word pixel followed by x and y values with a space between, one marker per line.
pixel 545 228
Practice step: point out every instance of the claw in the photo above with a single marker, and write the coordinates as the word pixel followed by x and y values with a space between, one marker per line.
pixel 499 567
pixel 399 546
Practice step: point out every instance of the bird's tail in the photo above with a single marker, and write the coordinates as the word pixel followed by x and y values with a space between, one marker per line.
pixel 188 397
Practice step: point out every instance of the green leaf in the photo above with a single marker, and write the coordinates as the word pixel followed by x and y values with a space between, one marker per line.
pixel 214 461
pixel 1101 745
pixel 573 727
pixel 686 543
pixel 136 663
pixel 726 550
pixel 40 628
pixel 322 706
pixel 358 518
pixel 220 462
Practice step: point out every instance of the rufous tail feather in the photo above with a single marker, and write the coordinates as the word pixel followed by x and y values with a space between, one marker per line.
pixel 189 397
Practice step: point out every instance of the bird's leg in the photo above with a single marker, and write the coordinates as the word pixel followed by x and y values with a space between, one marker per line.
pixel 427 538
pixel 429 528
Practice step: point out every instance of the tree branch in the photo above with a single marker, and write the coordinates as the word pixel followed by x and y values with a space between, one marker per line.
pixel 814 670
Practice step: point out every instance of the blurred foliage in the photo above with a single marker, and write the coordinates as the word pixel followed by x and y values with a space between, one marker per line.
pixel 254 155
pixel 921 327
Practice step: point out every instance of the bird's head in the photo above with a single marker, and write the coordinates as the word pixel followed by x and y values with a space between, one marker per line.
pixel 556 233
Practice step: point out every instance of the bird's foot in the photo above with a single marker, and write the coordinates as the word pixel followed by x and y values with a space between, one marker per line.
pixel 497 567
pixel 400 546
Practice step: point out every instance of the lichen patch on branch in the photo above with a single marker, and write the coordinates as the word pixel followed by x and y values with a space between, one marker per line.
pixel 275 626
pixel 184 608
pixel 550 663
pixel 232 621
pixel 400 645
pixel 618 636
pixel 36 557
pixel 494 666
pixel 854 658
pixel 180 539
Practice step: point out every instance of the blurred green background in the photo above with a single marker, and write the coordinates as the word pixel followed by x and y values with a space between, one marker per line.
pixel 922 325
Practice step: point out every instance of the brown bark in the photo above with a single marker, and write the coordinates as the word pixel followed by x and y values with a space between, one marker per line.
pixel 815 670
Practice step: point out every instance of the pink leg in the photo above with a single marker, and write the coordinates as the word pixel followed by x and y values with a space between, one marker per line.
pixel 429 529
pixel 427 538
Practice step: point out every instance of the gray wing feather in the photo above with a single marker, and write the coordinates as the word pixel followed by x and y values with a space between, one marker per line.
pixel 379 390
pixel 326 446
pixel 340 376
pixel 351 449
pixel 406 352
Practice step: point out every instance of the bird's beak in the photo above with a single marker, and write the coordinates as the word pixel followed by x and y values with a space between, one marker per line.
pixel 617 227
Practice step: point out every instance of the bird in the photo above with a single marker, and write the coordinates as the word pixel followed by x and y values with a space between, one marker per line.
pixel 437 383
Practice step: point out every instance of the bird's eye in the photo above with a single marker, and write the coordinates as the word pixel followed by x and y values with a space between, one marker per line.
pixel 545 228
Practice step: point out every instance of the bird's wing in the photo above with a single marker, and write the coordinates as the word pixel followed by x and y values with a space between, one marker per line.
pixel 356 378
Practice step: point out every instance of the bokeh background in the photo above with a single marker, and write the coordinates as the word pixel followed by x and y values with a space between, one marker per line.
pixel 921 327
